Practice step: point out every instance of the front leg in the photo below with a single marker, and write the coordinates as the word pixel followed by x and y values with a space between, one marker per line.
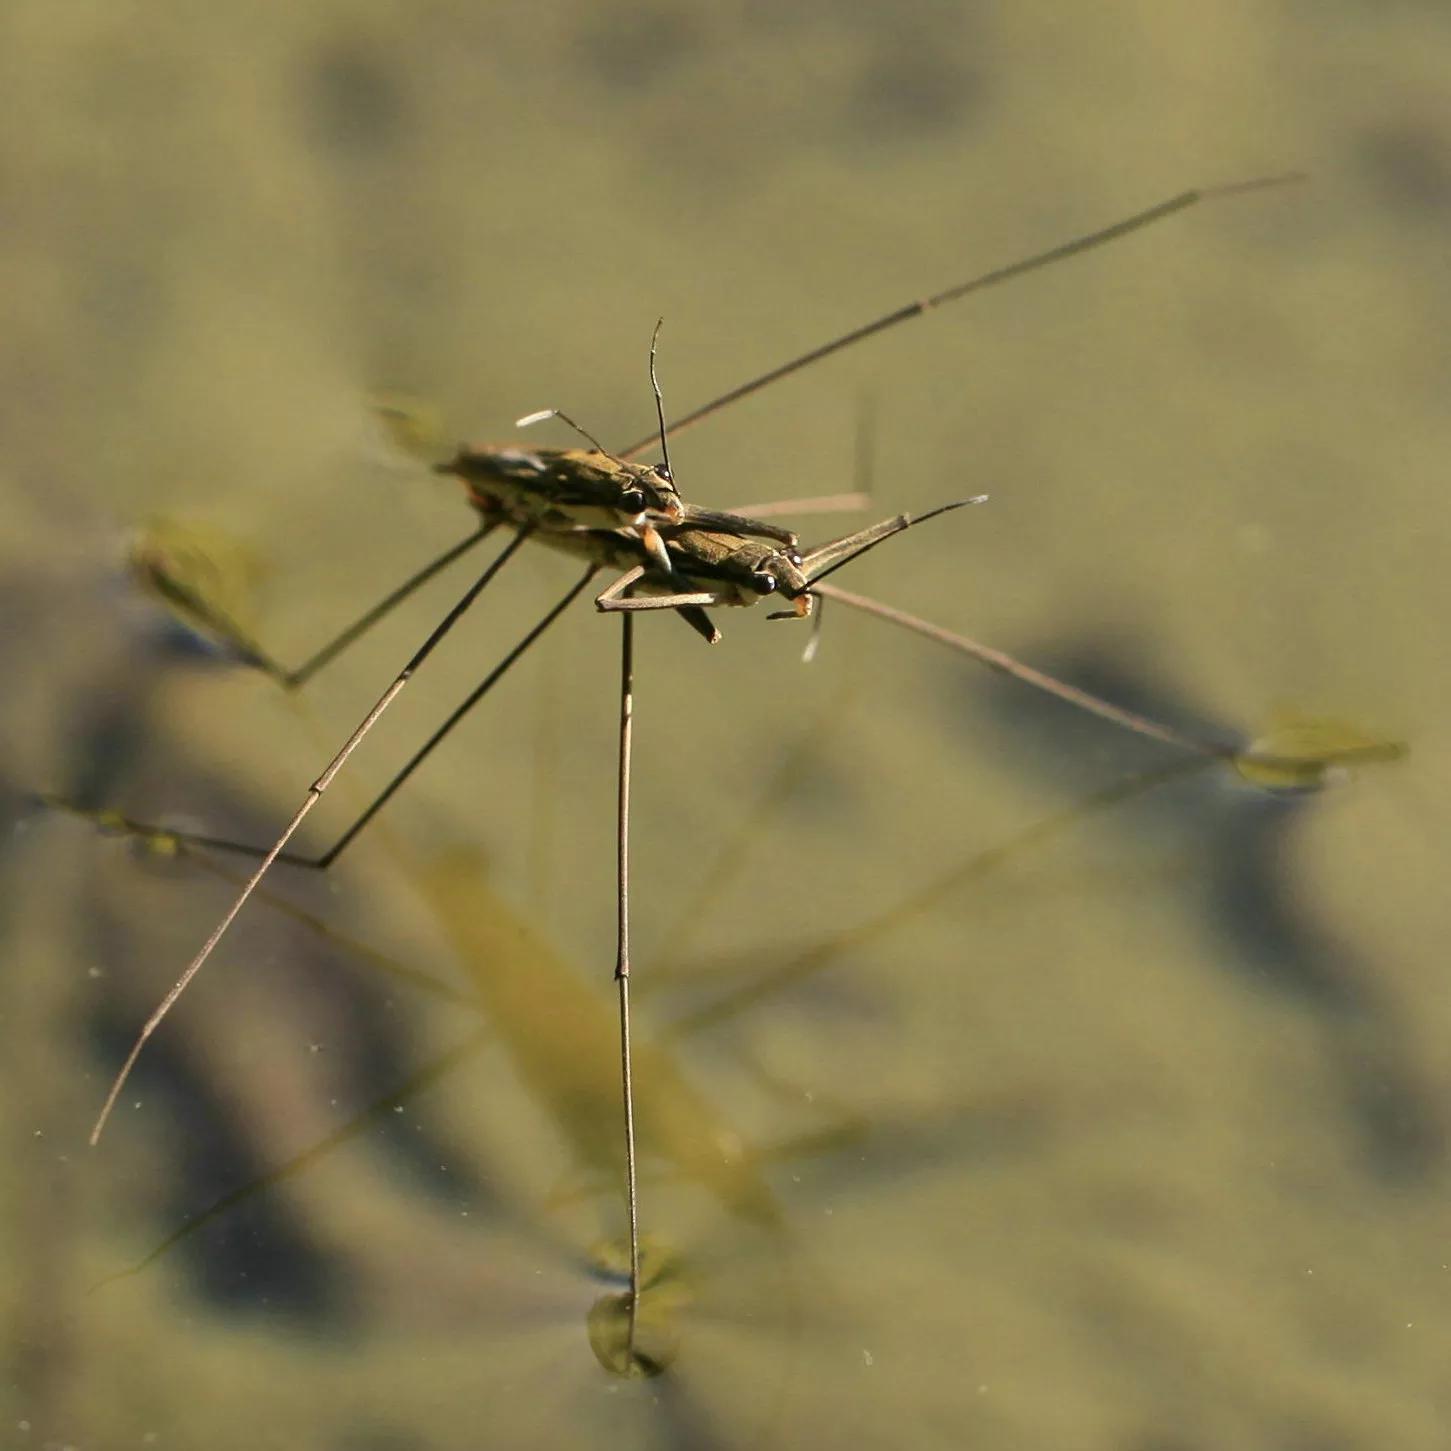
pixel 615 597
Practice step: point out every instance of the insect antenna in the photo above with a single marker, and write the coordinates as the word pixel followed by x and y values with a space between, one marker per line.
pixel 660 401
pixel 544 414
pixel 648 533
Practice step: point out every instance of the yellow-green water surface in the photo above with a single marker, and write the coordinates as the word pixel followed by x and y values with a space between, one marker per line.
pixel 1002 1084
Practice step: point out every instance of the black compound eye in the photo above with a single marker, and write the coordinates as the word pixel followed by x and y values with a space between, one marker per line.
pixel 632 501
pixel 764 584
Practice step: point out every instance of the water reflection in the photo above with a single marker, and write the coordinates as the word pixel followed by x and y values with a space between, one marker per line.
pixel 481 1189
pixel 1094 1154
pixel 1245 890
pixel 560 1035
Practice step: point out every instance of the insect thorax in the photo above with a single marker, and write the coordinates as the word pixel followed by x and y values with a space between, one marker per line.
pixel 561 489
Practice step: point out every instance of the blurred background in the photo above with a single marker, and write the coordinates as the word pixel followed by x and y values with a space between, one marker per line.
pixel 1011 1081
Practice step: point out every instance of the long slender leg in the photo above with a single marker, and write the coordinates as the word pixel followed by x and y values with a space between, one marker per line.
pixel 294 679
pixel 454 717
pixel 622 954
pixel 1006 665
pixel 910 310
pixel 166 581
pixel 842 551
pixel 314 795
pixel 689 606
pixel 324 860
pixel 851 503
pixel 863 476
pixel 613 598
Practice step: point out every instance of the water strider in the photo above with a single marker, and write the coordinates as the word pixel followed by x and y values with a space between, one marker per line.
pixel 670 555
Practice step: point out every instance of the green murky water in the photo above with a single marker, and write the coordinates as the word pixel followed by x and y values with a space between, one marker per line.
pixel 1004 1084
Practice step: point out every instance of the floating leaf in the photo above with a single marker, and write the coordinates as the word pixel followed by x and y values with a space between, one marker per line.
pixel 1301 753
pixel 205 577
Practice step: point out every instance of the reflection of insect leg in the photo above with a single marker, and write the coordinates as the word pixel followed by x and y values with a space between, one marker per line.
pixel 741 984
pixel 150 559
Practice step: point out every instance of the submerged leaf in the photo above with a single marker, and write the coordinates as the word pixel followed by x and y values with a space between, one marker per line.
pixel 562 1036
